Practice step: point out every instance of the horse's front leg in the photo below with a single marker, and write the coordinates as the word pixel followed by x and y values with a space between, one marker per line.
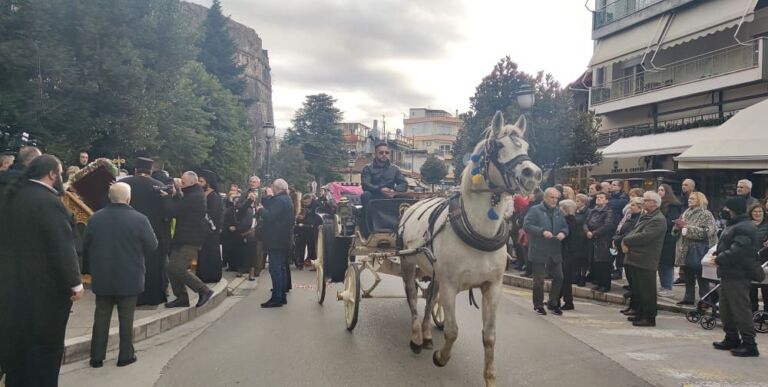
pixel 408 271
pixel 451 330
pixel 491 294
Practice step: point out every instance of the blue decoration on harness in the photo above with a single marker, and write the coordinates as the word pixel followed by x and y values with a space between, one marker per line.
pixel 492 215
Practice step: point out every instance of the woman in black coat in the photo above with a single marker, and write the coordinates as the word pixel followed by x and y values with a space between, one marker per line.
pixel 756 212
pixel 574 248
pixel 672 209
pixel 625 226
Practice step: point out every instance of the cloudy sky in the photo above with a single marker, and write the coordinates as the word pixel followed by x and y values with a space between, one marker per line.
pixel 381 57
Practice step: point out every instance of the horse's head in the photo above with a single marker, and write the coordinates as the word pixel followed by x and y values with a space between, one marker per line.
pixel 507 165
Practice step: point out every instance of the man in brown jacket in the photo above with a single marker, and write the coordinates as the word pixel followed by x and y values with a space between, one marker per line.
pixel 642 247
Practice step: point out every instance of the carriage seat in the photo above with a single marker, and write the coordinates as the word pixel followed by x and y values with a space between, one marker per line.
pixel 384 214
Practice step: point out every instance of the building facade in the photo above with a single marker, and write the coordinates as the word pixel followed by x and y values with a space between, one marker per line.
pixel 666 74
pixel 433 133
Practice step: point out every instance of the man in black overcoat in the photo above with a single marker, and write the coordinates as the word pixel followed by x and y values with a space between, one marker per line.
pixel 39 275
pixel 26 155
pixel 209 263
pixel 146 198
pixel 116 240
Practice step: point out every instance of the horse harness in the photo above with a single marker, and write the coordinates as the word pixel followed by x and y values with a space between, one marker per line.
pixel 460 225
pixel 491 150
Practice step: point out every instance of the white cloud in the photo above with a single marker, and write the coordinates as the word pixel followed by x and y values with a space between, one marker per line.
pixel 382 57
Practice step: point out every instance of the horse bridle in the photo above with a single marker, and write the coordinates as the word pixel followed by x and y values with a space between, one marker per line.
pixel 492 148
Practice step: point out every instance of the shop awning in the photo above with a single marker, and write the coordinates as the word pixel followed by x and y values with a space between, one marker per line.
pixel 670 143
pixel 628 43
pixel 739 143
pixel 705 18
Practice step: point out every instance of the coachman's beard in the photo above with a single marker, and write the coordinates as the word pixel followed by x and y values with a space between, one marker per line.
pixel 58 185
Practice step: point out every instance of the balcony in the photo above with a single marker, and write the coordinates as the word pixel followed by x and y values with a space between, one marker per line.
pixel 609 137
pixel 618 10
pixel 721 68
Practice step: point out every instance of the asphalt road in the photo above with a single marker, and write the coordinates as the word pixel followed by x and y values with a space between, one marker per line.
pixel 305 344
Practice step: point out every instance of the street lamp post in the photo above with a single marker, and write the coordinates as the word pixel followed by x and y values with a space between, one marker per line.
pixel 525 97
pixel 269 131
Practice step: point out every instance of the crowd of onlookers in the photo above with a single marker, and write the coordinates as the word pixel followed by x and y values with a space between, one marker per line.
pixel 611 232
pixel 150 231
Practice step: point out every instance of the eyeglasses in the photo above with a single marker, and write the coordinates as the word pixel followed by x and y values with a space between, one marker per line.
pixel 383 152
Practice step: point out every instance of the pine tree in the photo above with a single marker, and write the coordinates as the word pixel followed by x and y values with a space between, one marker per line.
pixel 218 50
pixel 289 164
pixel 316 131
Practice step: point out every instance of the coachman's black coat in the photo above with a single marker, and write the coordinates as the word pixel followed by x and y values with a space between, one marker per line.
pixel 38 269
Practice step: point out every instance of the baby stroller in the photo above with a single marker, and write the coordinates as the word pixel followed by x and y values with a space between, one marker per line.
pixel 710 301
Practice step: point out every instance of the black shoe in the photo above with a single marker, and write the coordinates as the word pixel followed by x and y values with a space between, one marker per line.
pixel 540 310
pixel 629 312
pixel 684 303
pixel 581 283
pixel 556 311
pixel 123 363
pixel 177 303
pixel 634 318
pixel 597 288
pixel 272 304
pixel 205 295
pixel 726 344
pixel 679 280
pixel 646 322
pixel 567 306
pixel 96 364
pixel 616 275
pixel 625 287
pixel 746 350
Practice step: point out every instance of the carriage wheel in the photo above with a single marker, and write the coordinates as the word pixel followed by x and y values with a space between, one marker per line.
pixel 320 267
pixel 760 321
pixel 351 296
pixel 708 322
pixel 438 314
pixel 693 316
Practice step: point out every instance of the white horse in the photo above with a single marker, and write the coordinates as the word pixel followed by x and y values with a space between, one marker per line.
pixel 498 166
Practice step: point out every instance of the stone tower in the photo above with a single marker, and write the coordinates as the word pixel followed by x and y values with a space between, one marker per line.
pixel 258 80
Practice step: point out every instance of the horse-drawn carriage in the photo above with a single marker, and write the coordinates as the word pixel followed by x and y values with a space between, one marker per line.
pixel 343 252
pixel 453 244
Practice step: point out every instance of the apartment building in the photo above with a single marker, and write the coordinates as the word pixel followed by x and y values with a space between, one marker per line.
pixel 666 74
pixel 433 132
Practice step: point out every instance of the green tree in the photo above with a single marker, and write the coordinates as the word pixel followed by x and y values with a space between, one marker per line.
pixel 289 164
pixel 558 134
pixel 316 131
pixel 433 170
pixel 217 50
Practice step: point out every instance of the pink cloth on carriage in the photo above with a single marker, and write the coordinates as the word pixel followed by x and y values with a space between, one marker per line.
pixel 339 189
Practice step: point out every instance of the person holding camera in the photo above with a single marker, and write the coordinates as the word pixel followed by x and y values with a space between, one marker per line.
pixel 146 199
pixel 247 222
pixel 190 234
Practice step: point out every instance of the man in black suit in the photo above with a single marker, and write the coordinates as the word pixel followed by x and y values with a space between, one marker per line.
pixel 189 236
pixel 145 198
pixel 39 275
pixel 115 242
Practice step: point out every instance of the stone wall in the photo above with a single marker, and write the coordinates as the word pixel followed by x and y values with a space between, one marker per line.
pixel 258 79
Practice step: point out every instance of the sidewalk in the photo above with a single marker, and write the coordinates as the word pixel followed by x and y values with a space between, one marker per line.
pixel 615 296
pixel 148 320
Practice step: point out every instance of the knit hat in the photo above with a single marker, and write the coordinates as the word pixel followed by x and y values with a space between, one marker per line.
pixel 520 203
pixel 737 204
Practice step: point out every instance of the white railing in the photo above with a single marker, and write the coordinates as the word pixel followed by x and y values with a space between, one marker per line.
pixel 719 62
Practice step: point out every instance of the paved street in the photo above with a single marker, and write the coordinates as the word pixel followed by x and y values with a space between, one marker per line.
pixel 305 344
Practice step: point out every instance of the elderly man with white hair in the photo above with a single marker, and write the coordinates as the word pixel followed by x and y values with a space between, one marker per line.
pixel 277 213
pixel 115 242
pixel 744 190
pixel 188 237
pixel 642 247
pixel 546 228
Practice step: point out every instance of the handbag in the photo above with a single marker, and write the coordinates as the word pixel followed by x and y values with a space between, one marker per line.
pixel 696 251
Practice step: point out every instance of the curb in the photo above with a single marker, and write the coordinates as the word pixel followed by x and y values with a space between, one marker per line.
pixel 79 348
pixel 587 293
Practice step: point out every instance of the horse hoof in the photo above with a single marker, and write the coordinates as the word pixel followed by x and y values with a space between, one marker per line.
pixel 415 347
pixel 436 359
pixel 427 344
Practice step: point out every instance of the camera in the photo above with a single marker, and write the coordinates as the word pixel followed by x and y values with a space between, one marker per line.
pixel 163 188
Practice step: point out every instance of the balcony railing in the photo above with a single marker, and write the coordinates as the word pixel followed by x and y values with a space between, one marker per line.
pixel 720 62
pixel 618 10
pixel 613 135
